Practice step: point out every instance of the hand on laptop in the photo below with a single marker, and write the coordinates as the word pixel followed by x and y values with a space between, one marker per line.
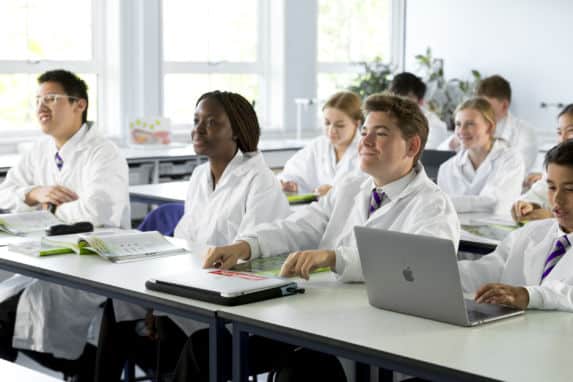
pixel 303 262
pixel 503 294
pixel 227 256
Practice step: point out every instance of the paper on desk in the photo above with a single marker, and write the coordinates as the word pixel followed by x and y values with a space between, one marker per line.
pixel 13 285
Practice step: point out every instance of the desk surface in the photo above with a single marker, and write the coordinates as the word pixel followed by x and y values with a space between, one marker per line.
pixel 533 347
pixel 13 372
pixel 125 281
pixel 159 192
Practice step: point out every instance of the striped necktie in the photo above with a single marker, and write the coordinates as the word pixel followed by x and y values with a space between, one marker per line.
pixel 559 249
pixel 376 199
pixel 59 161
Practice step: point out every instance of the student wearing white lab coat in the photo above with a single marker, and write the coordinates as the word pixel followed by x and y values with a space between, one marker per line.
pixel 84 177
pixel 393 137
pixel 409 85
pixel 485 175
pixel 328 158
pixel 533 268
pixel 518 134
pixel 233 192
pixel 534 205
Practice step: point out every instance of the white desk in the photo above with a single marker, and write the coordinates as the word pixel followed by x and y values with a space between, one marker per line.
pixel 338 319
pixel 170 192
pixel 121 281
pixel 13 372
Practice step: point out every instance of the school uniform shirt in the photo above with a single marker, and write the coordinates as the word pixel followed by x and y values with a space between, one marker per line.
pixel 246 195
pixel 520 136
pixel 519 261
pixel 413 204
pixel 315 164
pixel 537 193
pixel 52 318
pixel 93 168
pixel 492 187
pixel 438 131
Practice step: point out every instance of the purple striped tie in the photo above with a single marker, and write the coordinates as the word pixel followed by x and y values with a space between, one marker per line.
pixel 559 249
pixel 59 161
pixel 375 200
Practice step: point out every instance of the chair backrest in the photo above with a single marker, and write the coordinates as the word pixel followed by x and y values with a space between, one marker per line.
pixel 163 219
pixel 432 159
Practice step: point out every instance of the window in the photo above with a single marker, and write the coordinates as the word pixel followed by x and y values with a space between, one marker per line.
pixel 350 32
pixel 210 45
pixel 36 36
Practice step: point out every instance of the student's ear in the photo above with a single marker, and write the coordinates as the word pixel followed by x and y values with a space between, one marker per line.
pixel 81 105
pixel 414 146
pixel 505 105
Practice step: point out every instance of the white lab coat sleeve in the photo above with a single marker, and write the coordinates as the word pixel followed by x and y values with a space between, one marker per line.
pixel 265 203
pixel 105 200
pixel 488 268
pixel 537 193
pixel 300 168
pixel 551 295
pixel 437 133
pixel 302 230
pixel 18 182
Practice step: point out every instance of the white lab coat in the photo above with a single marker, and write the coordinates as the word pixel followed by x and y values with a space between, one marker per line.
pixel 52 318
pixel 519 260
pixel 315 164
pixel 518 135
pixel 438 131
pixel 538 193
pixel 247 194
pixel 492 188
pixel 419 208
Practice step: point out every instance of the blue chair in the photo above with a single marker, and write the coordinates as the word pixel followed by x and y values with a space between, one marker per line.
pixel 163 219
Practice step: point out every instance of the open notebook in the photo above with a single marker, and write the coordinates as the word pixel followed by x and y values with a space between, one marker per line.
pixel 27 222
pixel 114 245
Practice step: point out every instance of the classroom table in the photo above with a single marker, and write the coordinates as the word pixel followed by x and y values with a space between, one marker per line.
pixel 125 282
pixel 337 319
pixel 159 193
pixel 13 372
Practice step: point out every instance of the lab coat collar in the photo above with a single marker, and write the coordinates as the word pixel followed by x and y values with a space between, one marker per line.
pixel 239 166
pixel 78 141
pixel 504 127
pixel 497 149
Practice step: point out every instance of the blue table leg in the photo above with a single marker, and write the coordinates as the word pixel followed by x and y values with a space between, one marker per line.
pixel 240 354
pixel 216 326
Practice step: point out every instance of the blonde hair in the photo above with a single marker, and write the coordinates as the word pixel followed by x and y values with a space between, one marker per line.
pixel 347 102
pixel 483 107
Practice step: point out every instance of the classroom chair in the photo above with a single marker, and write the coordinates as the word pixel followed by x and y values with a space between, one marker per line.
pixel 163 219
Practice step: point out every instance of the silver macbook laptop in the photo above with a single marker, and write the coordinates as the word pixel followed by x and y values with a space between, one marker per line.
pixel 419 275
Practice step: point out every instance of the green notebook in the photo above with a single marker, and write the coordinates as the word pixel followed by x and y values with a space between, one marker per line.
pixel 302 198
pixel 268 266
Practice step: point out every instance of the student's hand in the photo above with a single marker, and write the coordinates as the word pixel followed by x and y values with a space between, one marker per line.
pixel 530 179
pixel 521 209
pixel 302 263
pixel 503 294
pixel 454 144
pixel 227 256
pixel 322 189
pixel 538 214
pixel 55 195
pixel 289 186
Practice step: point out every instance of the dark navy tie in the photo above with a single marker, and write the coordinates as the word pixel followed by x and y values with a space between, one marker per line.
pixel 59 161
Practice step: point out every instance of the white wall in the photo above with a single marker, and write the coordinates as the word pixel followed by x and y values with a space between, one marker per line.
pixel 529 42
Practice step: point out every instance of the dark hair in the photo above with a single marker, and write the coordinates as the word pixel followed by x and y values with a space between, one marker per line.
pixel 411 120
pixel 566 110
pixel 406 83
pixel 242 115
pixel 72 84
pixel 562 154
pixel 347 102
pixel 494 87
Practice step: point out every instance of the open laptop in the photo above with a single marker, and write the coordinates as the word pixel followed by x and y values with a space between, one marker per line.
pixel 419 275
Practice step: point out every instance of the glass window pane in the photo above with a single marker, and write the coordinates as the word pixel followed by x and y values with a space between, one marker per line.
pixel 17 97
pixel 46 30
pixel 353 30
pixel 207 31
pixel 330 83
pixel 181 91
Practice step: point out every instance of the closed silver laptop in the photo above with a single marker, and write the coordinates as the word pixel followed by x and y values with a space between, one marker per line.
pixel 419 275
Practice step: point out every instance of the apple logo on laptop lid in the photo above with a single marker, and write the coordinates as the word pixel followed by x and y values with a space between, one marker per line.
pixel 408 274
